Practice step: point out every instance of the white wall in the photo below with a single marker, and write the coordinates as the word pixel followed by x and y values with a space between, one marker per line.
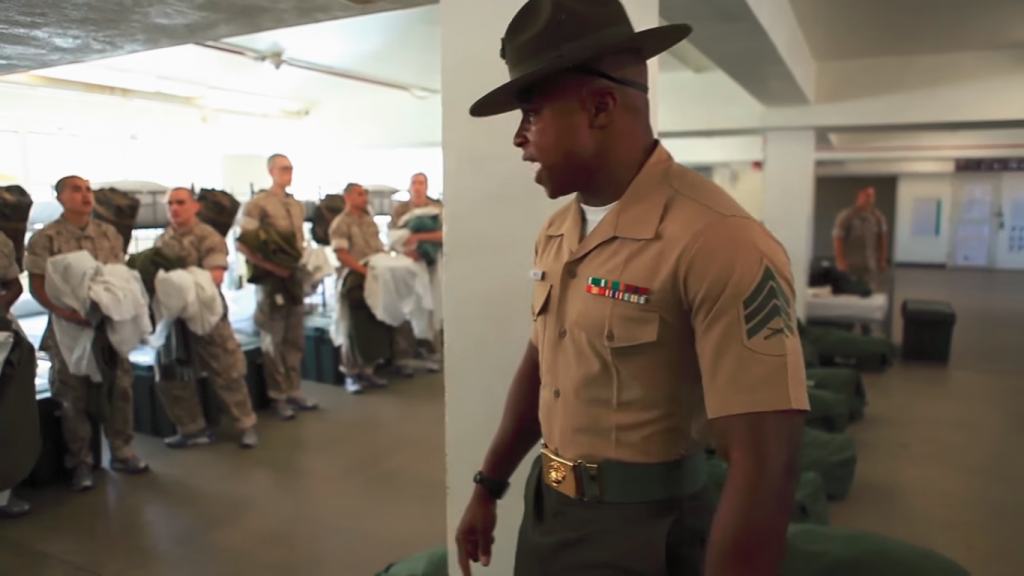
pixel 47 134
pixel 910 249
pixel 744 183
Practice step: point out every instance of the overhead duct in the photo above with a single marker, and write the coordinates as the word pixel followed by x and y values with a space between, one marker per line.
pixel 278 59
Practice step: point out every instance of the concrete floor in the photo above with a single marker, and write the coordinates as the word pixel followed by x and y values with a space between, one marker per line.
pixel 350 489
pixel 343 491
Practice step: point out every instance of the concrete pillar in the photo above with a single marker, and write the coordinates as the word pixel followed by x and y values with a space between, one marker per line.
pixel 788 209
pixel 493 213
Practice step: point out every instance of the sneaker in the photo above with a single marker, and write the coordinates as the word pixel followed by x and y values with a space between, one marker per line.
pixel 284 410
pixel 302 403
pixel 130 465
pixel 82 479
pixel 203 437
pixel 249 438
pixel 406 372
pixel 353 385
pixel 14 508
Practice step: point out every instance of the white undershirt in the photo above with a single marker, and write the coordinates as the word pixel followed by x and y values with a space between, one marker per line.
pixel 592 216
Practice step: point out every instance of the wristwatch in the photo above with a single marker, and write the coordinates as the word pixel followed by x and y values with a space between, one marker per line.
pixel 494 488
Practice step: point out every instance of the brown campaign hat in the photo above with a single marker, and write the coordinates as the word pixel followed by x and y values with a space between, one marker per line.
pixel 549 36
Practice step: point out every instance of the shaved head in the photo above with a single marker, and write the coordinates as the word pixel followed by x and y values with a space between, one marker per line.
pixel 182 207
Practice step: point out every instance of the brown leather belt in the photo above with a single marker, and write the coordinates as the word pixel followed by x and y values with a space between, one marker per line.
pixel 616 482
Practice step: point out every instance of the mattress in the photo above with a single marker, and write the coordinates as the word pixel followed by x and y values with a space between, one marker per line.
pixel 821 306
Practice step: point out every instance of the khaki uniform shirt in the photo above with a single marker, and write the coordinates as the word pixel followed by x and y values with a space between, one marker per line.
pixel 403 208
pixel 8 264
pixel 861 231
pixel 198 245
pixel 99 239
pixel 280 211
pixel 355 234
pixel 700 324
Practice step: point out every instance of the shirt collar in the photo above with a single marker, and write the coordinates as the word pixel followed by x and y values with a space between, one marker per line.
pixel 637 214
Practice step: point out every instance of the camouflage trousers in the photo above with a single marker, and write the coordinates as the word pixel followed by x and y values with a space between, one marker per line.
pixel 282 340
pixel 73 394
pixel 222 359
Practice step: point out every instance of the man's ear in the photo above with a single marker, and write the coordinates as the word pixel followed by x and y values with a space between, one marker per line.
pixel 602 102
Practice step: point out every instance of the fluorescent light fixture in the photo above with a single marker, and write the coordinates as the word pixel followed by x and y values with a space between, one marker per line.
pixel 202 96
pixel 251 103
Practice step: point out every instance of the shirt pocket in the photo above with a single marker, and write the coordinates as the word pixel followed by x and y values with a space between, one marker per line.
pixel 632 325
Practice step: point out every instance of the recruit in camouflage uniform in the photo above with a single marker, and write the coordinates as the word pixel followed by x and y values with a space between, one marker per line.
pixel 220 355
pixel 282 327
pixel 104 243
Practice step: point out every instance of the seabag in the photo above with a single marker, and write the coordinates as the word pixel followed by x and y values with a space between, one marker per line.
pixel 218 209
pixel 119 209
pixel 326 212
pixel 15 206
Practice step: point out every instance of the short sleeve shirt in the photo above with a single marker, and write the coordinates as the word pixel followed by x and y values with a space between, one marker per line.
pixel 198 245
pixel 676 308
pixel 356 234
pixel 860 231
pixel 99 239
pixel 8 259
pixel 279 211
pixel 403 208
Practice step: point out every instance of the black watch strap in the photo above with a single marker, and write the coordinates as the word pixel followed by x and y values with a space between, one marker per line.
pixel 494 488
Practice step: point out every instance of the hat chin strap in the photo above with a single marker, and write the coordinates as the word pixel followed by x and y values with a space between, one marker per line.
pixel 590 71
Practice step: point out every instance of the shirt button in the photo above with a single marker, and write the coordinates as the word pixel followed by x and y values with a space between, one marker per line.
pixel 610 336
pixel 562 333
pixel 557 393
pixel 572 273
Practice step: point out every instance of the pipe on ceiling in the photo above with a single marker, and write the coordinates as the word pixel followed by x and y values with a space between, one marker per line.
pixel 278 59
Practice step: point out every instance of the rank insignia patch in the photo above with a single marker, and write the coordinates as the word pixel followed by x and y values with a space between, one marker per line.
pixel 767 315
pixel 618 290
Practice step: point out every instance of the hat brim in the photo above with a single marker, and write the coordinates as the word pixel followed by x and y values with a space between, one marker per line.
pixel 647 43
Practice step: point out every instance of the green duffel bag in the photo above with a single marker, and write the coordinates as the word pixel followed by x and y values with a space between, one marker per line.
pixel 217 209
pixel 810 355
pixel 15 208
pixel 832 456
pixel 119 209
pixel 846 382
pixel 836 347
pixel 810 504
pixel 326 211
pixel 826 551
pixel 433 562
pixel 811 500
pixel 829 411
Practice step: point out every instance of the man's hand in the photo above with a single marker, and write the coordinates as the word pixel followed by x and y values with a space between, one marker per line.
pixel 279 272
pixel 414 254
pixel 412 241
pixel 842 266
pixel 476 531
pixel 72 316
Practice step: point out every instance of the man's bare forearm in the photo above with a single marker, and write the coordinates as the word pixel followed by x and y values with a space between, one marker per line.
pixel 37 287
pixel 748 534
pixel 519 430
pixel 840 251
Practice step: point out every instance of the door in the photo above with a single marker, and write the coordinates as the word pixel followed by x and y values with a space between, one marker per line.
pixel 1009 250
pixel 975 226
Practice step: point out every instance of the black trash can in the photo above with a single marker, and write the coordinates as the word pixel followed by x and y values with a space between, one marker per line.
pixel 927 330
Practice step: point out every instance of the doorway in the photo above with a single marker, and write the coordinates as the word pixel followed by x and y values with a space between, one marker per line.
pixel 989 217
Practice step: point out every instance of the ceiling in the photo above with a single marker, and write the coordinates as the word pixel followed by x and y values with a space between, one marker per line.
pixel 400 47
pixel 40 33
pixel 857 29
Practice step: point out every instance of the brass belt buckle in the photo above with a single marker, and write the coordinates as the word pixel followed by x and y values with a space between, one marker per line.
pixel 564 475
pixel 558 473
